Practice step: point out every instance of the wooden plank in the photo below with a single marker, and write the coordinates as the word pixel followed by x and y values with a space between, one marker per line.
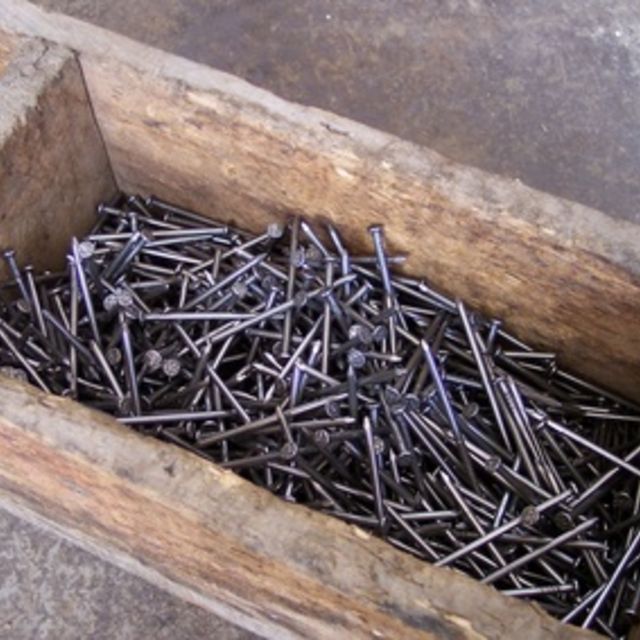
pixel 53 165
pixel 222 543
pixel 563 276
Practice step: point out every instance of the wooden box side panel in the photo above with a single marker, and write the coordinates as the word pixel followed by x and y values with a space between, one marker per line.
pixel 53 165
pixel 244 163
pixel 219 541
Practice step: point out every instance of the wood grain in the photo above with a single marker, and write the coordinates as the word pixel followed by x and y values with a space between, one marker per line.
pixel 53 165
pixel 246 166
pixel 279 569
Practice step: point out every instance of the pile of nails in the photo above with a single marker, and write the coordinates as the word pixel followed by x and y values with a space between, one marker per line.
pixel 332 382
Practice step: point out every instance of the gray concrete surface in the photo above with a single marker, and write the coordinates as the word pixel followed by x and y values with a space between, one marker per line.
pixel 51 589
pixel 547 91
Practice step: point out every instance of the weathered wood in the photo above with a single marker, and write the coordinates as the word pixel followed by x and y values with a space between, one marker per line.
pixel 563 276
pixel 53 165
pixel 222 543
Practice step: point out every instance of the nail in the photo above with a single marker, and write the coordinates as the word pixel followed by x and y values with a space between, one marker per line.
pixel 291 284
pixel 536 553
pixel 451 417
pixel 10 259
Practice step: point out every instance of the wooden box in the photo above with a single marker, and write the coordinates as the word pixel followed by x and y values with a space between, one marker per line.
pixel 84 111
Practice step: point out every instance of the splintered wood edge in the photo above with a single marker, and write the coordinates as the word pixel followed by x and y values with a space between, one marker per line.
pixel 215 539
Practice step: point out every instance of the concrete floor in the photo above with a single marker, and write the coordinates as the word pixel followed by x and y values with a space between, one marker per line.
pixel 547 91
pixel 51 589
